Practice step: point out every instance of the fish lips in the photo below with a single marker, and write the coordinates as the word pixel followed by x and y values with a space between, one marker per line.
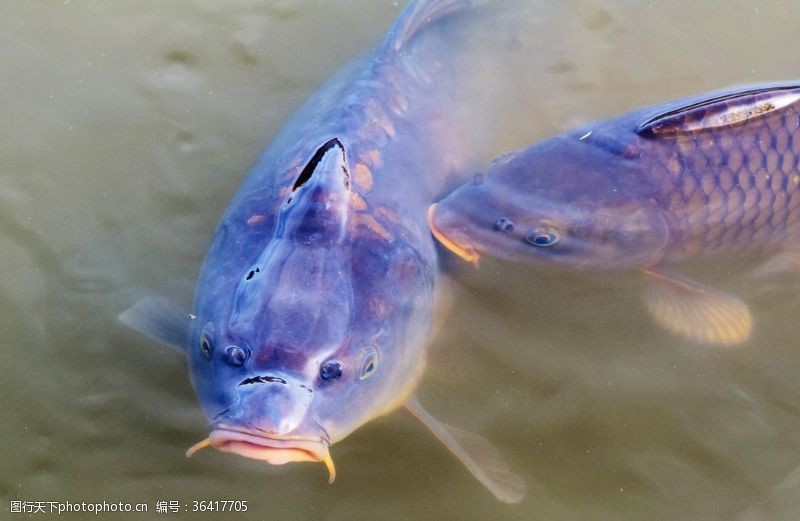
pixel 276 450
pixel 444 227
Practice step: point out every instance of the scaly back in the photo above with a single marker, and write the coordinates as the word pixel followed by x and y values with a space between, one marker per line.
pixel 729 169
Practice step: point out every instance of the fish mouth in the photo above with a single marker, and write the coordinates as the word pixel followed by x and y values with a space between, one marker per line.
pixel 460 247
pixel 276 450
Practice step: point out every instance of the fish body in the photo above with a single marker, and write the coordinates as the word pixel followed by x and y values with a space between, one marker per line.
pixel 302 271
pixel 712 174
pixel 317 260
pixel 314 302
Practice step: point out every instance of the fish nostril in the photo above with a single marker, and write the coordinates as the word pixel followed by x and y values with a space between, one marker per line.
pixel 236 355
pixel 504 225
pixel 330 370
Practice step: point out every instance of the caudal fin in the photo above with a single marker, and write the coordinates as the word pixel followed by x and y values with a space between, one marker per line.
pixel 418 15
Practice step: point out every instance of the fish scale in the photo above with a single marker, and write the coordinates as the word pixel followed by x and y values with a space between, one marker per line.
pixel 736 188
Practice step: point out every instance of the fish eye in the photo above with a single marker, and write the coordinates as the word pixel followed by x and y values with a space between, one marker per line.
pixel 206 344
pixel 542 237
pixel 237 355
pixel 369 364
pixel 330 370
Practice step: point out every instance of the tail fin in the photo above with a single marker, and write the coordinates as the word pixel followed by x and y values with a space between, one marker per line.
pixel 416 16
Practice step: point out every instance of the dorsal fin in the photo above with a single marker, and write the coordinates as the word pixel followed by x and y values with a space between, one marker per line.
pixel 416 16
pixel 720 110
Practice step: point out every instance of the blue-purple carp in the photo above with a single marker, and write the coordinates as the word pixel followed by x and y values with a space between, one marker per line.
pixel 314 303
pixel 712 174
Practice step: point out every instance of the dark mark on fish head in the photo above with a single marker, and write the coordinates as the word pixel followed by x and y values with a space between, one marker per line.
pixel 262 379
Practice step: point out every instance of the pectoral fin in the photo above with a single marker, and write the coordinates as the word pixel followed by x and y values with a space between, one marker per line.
pixel 160 320
pixel 697 312
pixel 476 453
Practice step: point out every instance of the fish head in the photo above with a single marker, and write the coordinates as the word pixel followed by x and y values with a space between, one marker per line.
pixel 560 202
pixel 315 336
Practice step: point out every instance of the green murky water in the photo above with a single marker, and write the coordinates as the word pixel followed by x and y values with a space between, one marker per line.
pixel 126 127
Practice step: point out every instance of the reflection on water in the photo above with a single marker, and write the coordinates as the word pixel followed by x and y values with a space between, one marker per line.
pixel 126 128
